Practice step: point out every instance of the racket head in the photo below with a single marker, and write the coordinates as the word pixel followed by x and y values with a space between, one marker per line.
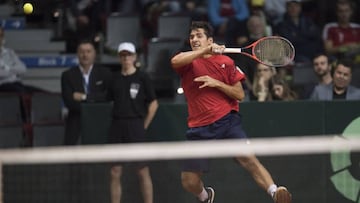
pixel 273 51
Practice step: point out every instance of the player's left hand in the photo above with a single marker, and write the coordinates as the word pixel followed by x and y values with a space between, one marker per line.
pixel 207 81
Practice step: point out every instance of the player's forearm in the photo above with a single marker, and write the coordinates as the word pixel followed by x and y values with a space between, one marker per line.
pixel 234 91
pixel 185 58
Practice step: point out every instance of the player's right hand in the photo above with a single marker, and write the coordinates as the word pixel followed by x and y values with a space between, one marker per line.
pixel 217 49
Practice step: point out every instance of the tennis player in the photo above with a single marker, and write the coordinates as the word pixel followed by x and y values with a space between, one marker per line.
pixel 213 89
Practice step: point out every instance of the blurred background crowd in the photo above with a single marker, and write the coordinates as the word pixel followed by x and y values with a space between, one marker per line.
pixel 317 28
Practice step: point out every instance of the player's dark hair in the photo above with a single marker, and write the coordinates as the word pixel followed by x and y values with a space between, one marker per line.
pixel 208 30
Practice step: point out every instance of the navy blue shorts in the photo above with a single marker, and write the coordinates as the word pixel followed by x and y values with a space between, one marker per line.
pixel 228 127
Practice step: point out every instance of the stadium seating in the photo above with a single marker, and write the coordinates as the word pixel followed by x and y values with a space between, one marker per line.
pixel 121 28
pixel 173 26
pixel 160 51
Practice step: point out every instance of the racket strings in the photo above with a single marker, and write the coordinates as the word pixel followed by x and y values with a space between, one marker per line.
pixel 274 51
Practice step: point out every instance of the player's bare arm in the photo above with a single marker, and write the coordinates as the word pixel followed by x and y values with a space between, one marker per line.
pixel 187 57
pixel 235 91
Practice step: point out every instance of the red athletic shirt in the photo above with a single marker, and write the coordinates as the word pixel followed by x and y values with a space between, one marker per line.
pixel 339 35
pixel 207 105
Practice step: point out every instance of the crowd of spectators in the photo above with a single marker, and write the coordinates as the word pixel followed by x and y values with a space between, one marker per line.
pixel 333 32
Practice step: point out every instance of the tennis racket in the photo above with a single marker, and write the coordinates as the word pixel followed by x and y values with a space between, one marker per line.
pixel 271 51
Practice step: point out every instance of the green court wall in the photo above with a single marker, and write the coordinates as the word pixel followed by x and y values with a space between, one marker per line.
pixel 308 177
pixel 270 119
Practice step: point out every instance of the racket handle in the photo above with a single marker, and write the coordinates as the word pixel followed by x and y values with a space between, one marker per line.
pixel 232 50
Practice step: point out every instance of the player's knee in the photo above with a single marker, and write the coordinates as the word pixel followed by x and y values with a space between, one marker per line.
pixel 248 162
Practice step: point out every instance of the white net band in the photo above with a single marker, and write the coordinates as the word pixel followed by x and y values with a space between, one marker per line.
pixel 181 150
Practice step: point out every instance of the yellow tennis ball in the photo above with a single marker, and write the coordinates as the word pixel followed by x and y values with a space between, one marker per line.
pixel 28 8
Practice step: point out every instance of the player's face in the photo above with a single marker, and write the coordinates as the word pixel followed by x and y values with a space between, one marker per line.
pixel 321 66
pixel 86 54
pixel 342 76
pixel 198 39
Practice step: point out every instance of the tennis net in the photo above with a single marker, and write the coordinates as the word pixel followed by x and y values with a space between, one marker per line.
pixel 315 168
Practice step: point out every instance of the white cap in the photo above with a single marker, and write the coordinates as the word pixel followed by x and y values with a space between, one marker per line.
pixel 127 46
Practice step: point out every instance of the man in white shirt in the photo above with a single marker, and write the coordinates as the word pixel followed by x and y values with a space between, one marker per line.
pixel 11 68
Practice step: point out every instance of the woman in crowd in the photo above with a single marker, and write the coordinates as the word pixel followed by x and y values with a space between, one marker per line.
pixel 260 86
pixel 280 89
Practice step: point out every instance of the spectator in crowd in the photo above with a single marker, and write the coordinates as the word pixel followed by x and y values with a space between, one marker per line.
pixel 340 87
pixel 260 86
pixel 11 69
pixel 325 11
pixel 135 105
pixel 87 82
pixel 280 89
pixel 151 12
pixel 322 68
pixel 342 38
pixel 257 8
pixel 275 10
pixel 196 9
pixel 228 17
pixel 256 29
pixel 125 6
pixel 85 19
pixel 301 31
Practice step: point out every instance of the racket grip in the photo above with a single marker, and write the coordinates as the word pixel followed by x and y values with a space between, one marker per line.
pixel 232 50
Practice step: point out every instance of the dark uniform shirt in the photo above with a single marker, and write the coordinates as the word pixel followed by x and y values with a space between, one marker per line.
pixel 132 95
